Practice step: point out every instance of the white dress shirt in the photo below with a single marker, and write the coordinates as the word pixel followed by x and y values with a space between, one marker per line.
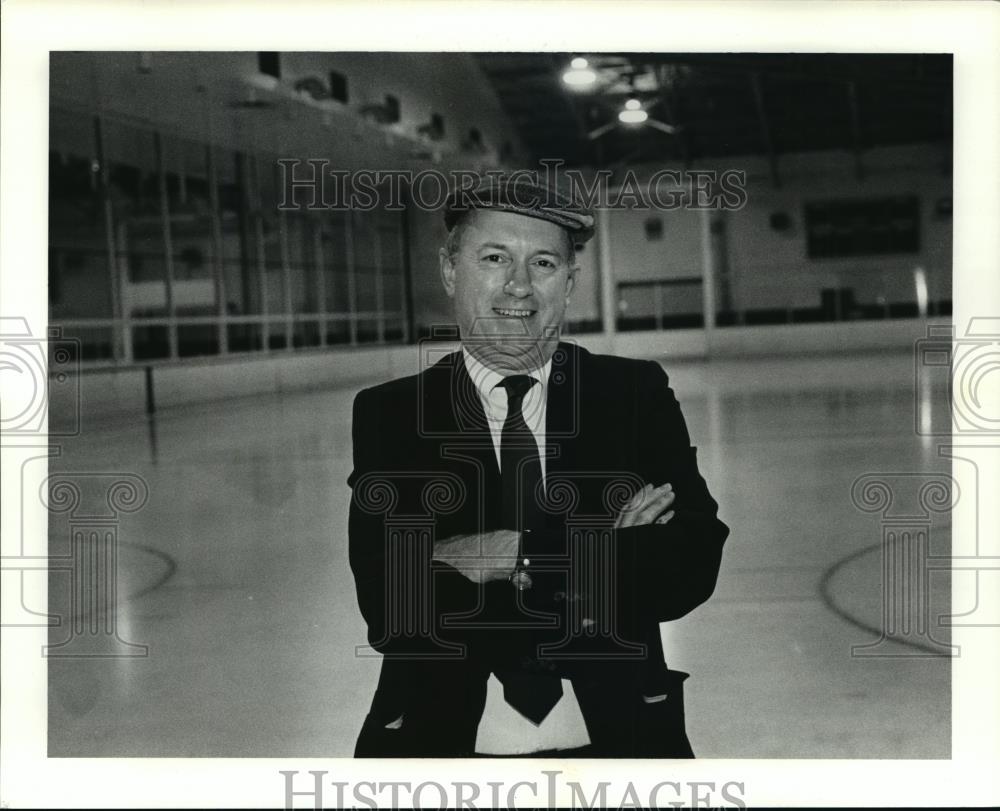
pixel 494 399
pixel 503 730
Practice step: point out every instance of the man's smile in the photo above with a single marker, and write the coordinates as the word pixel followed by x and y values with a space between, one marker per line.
pixel 514 312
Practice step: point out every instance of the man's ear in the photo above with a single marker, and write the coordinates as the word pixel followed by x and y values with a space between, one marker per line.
pixel 447 272
pixel 571 281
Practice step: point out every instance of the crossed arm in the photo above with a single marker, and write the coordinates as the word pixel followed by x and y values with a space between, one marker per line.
pixel 668 539
pixel 488 556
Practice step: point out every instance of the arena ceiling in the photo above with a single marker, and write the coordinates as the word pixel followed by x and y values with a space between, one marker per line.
pixel 723 104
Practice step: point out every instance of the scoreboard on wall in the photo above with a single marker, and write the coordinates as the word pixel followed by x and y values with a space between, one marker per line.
pixel 839 228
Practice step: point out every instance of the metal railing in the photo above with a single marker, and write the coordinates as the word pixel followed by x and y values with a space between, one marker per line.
pixel 660 303
pixel 755 296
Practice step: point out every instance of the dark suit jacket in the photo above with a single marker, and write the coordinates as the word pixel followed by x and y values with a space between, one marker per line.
pixel 425 468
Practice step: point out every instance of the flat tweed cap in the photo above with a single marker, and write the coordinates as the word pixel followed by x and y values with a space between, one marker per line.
pixel 522 193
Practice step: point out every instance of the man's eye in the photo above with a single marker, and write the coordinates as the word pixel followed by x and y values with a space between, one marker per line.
pixel 493 257
pixel 548 264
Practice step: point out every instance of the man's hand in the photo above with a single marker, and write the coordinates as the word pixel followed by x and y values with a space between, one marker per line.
pixel 480 558
pixel 648 506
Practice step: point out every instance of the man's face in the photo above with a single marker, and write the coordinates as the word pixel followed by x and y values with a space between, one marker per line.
pixel 509 282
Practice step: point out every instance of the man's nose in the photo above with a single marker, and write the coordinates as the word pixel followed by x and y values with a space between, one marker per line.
pixel 519 280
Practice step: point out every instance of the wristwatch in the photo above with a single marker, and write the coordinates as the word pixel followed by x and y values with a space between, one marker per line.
pixel 519 578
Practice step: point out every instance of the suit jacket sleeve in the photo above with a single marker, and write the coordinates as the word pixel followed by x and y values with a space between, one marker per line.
pixel 402 595
pixel 674 566
pixel 366 529
pixel 662 571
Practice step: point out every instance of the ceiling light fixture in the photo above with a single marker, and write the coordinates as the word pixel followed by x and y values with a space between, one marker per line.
pixel 579 74
pixel 633 113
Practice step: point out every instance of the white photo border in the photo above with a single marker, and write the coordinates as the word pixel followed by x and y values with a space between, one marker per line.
pixel 968 30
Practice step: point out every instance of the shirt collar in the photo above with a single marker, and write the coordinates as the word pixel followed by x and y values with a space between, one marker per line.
pixel 485 379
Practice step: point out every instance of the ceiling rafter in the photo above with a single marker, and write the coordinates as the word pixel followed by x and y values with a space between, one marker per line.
pixel 852 97
pixel 765 127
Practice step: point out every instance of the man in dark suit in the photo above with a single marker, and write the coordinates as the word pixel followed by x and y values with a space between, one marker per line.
pixel 524 515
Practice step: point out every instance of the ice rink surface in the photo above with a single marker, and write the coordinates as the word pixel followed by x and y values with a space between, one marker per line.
pixel 235 575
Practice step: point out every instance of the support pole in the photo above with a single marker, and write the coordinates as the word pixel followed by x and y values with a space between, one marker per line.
pixel 707 277
pixel 609 294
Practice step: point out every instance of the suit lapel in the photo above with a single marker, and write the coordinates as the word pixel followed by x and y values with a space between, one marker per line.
pixel 457 417
pixel 451 403
pixel 562 411
pixel 464 435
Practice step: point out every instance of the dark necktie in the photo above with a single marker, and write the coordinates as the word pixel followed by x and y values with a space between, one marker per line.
pixel 520 464
pixel 531 694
